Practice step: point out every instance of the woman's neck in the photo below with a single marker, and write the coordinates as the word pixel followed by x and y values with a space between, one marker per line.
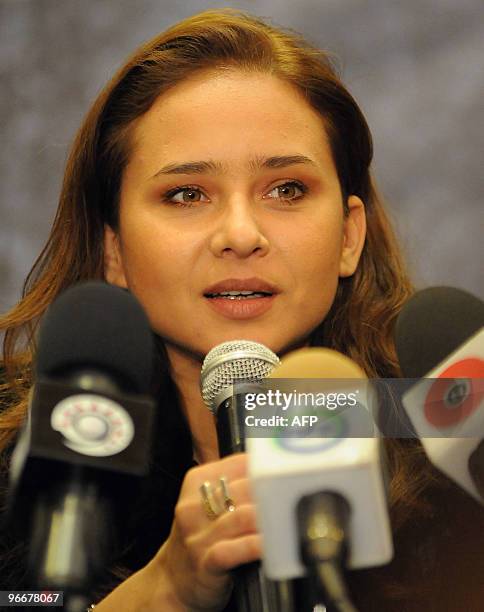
pixel 185 371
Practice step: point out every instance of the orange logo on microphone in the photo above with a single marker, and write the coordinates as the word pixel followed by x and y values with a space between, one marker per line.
pixel 456 393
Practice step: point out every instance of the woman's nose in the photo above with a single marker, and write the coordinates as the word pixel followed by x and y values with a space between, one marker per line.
pixel 237 231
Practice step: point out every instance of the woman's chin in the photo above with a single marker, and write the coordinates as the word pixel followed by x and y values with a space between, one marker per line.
pixel 280 346
pixel 198 349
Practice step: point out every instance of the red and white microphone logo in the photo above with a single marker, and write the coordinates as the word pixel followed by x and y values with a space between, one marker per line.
pixel 93 425
pixel 456 394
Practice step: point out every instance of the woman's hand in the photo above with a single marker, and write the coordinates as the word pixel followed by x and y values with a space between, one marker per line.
pixel 196 560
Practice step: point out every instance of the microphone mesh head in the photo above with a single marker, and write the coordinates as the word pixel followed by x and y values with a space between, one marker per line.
pixel 234 361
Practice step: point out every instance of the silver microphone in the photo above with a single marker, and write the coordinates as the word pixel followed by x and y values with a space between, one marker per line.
pixel 241 361
pixel 229 362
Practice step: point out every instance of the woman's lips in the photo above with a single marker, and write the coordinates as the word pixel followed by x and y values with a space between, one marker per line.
pixel 241 308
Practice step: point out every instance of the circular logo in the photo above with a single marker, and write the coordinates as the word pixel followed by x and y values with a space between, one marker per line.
pixel 93 425
pixel 332 431
pixel 456 393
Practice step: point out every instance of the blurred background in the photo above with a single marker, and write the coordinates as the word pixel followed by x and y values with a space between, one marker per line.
pixel 415 68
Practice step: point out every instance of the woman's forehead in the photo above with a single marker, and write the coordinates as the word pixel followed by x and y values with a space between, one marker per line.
pixel 209 100
pixel 231 119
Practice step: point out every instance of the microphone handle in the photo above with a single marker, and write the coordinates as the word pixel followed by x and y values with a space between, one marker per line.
pixel 253 592
pixel 230 426
pixel 72 536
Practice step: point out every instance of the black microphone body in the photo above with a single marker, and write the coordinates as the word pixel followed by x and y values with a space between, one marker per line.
pixel 78 462
pixel 252 590
pixel 243 362
pixel 230 426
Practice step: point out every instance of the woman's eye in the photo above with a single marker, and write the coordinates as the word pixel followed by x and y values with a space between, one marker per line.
pixel 188 195
pixel 185 196
pixel 291 190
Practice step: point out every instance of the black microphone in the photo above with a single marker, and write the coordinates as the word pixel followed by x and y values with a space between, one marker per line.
pixel 440 336
pixel 229 363
pixel 237 361
pixel 87 441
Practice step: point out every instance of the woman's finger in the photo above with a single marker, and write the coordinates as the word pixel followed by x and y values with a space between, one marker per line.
pixel 192 514
pixel 224 555
pixel 232 468
pixel 230 525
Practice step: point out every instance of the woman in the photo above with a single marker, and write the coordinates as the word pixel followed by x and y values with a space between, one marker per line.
pixel 227 156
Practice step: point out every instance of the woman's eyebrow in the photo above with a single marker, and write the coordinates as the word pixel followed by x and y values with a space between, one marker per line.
pixel 215 167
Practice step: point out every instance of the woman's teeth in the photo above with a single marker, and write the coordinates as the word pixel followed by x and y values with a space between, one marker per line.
pixel 238 295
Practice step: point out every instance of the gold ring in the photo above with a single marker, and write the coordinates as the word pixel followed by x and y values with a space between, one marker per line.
pixel 229 503
pixel 210 505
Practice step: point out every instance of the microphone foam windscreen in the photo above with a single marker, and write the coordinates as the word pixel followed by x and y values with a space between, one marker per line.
pixel 97 326
pixel 315 362
pixel 432 325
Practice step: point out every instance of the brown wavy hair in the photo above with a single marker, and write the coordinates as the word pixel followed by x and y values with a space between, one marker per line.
pixel 362 317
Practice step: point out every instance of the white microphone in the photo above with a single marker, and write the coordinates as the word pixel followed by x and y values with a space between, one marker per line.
pixel 284 468
pixel 440 336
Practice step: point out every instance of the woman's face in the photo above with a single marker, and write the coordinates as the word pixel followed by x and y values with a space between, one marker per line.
pixel 231 187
